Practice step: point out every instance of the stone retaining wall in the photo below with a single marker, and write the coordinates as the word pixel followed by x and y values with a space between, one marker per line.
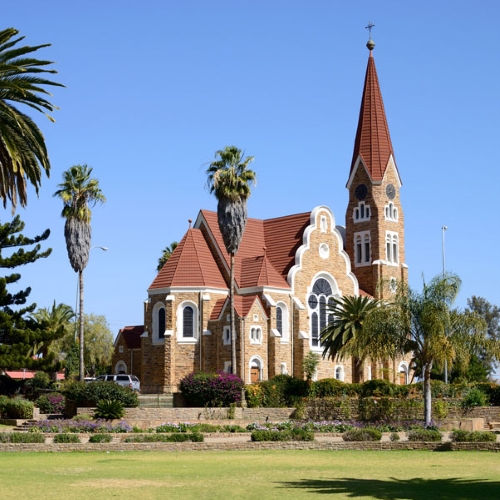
pixel 248 446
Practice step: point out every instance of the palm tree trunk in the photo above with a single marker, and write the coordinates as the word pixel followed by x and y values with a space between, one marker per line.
pixel 81 334
pixel 427 394
pixel 233 321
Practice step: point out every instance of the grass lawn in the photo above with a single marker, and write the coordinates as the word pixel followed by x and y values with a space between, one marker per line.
pixel 391 475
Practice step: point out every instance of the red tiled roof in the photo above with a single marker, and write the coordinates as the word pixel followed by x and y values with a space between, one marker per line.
pixel 132 336
pixel 373 141
pixel 243 304
pixel 27 374
pixel 267 250
pixel 191 264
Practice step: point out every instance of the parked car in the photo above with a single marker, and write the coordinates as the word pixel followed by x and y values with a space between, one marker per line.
pixel 130 381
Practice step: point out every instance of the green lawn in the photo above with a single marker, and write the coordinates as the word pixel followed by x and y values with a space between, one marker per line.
pixel 390 475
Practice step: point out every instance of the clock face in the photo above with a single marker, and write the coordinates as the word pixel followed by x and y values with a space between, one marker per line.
pixel 390 191
pixel 361 192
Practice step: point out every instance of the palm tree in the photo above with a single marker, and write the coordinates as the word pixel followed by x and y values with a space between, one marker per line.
pixel 342 337
pixel 22 146
pixel 425 325
pixel 167 252
pixel 56 320
pixel 229 178
pixel 77 191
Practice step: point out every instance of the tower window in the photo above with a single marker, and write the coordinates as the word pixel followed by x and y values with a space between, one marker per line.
pixel 391 212
pixel 362 212
pixel 392 247
pixel 362 248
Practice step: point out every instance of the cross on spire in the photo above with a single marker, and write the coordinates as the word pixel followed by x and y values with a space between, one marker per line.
pixel 369 28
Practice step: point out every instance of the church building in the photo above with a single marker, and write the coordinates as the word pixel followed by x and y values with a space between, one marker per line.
pixel 286 270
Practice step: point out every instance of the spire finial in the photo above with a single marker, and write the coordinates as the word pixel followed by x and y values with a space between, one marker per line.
pixel 370 44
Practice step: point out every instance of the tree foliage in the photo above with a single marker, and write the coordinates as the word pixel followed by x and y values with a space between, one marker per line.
pixel 229 178
pixel 426 325
pixel 23 153
pixel 166 254
pixel 23 339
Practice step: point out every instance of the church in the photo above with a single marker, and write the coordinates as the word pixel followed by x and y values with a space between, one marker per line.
pixel 286 270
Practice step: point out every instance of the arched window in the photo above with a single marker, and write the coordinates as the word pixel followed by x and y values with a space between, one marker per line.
pixel 282 321
pixel 403 373
pixel 339 372
pixel 321 295
pixel 256 335
pixel 159 323
pixel 187 322
pixel 361 212
pixel 391 212
pixel 392 247
pixel 362 248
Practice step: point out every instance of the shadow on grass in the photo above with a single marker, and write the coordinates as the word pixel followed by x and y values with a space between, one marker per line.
pixel 404 489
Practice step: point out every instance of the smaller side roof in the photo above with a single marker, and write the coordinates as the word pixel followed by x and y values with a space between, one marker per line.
pixel 131 335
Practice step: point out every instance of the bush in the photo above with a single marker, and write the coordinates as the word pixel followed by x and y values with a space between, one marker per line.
pixel 3 402
pixel 84 394
pixel 51 403
pixel 285 435
pixel 366 434
pixel 328 408
pixel 439 409
pixel 18 408
pixel 424 435
pixel 109 409
pixel 330 387
pixel 378 387
pixel 66 438
pixel 165 438
pixel 211 389
pixel 100 438
pixel 394 436
pixel 461 436
pixel 21 437
pixel 474 397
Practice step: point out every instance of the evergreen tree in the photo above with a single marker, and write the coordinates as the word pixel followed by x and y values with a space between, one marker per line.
pixel 20 334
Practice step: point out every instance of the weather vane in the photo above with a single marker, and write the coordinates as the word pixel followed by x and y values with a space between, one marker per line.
pixel 369 28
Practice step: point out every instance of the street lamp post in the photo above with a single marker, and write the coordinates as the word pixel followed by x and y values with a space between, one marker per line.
pixel 443 229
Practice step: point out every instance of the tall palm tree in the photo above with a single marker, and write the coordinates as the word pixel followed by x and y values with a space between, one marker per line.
pixel 22 145
pixel 342 337
pixel 166 254
pixel 229 178
pixel 78 192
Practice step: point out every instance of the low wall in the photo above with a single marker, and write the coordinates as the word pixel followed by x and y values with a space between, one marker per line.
pixel 249 446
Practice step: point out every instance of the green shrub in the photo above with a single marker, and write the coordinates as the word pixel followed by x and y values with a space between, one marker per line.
pixel 377 387
pixel 328 408
pixel 424 435
pixel 84 394
pixel 21 437
pixel 18 408
pixel 51 403
pixel 394 436
pixel 366 434
pixel 473 397
pixel 494 395
pixel 211 389
pixel 100 438
pixel 269 435
pixel 175 437
pixel 109 409
pixel 330 387
pixel 439 409
pixel 461 436
pixel 66 438
pixel 3 402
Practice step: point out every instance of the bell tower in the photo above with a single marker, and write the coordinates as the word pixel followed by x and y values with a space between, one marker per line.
pixel 374 216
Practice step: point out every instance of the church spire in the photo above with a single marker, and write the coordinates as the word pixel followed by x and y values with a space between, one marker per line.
pixel 373 141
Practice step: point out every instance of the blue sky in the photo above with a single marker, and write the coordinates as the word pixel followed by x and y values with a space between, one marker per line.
pixel 154 88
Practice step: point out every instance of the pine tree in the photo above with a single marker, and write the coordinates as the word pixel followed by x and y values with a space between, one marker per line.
pixel 21 336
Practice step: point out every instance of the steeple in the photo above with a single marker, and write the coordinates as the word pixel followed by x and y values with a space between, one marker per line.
pixel 373 141
pixel 374 215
